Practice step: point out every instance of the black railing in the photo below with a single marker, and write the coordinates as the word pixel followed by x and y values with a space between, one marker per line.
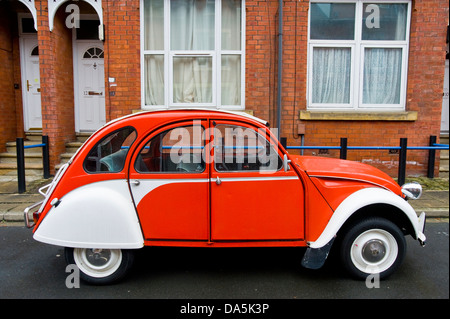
pixel 20 149
pixel 402 151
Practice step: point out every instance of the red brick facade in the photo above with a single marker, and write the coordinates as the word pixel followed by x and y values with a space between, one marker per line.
pixel 56 69
pixel 122 46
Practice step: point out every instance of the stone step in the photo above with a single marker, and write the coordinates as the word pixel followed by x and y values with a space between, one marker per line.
pixel 83 136
pixel 32 169
pixel 29 158
pixel 72 147
pixel 33 157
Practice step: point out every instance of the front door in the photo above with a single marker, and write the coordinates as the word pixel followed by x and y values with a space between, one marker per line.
pixel 90 86
pixel 252 196
pixel 31 84
pixel 169 181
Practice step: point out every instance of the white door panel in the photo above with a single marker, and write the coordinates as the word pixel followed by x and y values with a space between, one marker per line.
pixel 90 86
pixel 31 84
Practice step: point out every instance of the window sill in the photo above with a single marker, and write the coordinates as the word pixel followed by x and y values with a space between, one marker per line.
pixel 401 116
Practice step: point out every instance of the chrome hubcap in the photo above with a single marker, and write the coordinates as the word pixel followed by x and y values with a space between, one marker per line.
pixel 373 251
pixel 98 257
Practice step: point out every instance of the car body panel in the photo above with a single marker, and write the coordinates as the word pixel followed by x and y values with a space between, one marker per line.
pixel 97 215
pixel 306 204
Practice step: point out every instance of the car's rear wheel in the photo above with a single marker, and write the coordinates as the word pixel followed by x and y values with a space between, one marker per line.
pixel 100 266
pixel 373 246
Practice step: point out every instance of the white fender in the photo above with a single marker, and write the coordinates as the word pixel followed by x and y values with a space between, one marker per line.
pixel 362 198
pixel 97 215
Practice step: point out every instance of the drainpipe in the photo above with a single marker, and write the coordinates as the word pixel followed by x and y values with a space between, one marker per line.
pixel 280 64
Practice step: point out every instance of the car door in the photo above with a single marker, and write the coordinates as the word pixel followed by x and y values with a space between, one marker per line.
pixel 252 196
pixel 169 182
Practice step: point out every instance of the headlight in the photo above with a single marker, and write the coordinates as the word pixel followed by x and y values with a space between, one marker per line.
pixel 412 190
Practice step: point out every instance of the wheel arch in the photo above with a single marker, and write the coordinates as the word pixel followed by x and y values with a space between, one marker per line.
pixel 370 202
pixel 382 210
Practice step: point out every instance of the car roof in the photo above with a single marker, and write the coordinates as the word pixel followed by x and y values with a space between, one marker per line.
pixel 238 113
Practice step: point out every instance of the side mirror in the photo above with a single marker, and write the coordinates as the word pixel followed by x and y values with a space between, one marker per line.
pixel 286 162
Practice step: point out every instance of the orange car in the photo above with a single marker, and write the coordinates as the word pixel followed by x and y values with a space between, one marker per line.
pixel 203 178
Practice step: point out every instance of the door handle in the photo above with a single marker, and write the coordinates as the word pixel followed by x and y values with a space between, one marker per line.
pixel 218 180
pixel 28 86
pixel 136 182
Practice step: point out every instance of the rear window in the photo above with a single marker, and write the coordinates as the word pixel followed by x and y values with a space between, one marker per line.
pixel 110 153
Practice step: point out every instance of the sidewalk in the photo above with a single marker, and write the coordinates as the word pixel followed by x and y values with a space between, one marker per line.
pixel 435 203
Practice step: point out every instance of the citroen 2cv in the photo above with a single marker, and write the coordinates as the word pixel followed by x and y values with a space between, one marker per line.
pixel 203 178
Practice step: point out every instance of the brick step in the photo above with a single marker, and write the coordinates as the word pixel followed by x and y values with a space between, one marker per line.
pixel 72 147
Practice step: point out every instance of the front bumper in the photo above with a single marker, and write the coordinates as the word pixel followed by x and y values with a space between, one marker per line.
pixel 26 214
pixel 421 229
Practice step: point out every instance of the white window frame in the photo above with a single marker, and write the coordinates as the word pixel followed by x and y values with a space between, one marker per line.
pixel 215 54
pixel 358 46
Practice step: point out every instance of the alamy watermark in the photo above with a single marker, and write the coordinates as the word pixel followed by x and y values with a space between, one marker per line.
pixel 73 19
pixel 373 281
pixel 73 279
pixel 373 19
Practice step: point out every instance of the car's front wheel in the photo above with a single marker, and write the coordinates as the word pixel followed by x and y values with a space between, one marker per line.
pixel 100 266
pixel 373 246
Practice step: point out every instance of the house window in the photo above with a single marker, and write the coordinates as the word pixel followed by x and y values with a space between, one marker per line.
pixel 192 53
pixel 357 57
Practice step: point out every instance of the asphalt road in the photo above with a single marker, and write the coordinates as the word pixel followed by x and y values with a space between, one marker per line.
pixel 29 269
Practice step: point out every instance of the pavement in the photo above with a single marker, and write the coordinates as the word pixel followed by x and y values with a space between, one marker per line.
pixel 435 203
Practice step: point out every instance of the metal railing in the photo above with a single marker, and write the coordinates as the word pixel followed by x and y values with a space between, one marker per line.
pixel 20 149
pixel 402 151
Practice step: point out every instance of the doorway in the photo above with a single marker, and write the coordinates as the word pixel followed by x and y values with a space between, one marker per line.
pixel 89 86
pixel 31 84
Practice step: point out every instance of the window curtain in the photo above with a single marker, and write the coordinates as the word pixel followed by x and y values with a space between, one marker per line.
pixel 231 64
pixel 154 79
pixel 192 24
pixel 382 76
pixel 154 63
pixel 331 75
pixel 192 79
pixel 192 29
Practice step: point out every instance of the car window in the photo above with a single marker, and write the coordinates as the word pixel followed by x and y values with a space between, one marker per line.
pixel 238 148
pixel 178 150
pixel 110 153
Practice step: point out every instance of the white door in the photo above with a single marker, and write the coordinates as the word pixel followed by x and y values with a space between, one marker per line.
pixel 31 84
pixel 90 86
pixel 445 113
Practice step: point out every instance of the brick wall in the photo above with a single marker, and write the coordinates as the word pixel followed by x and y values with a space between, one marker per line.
pixel 424 90
pixel 426 67
pixel 8 127
pixel 57 92
pixel 122 62
pixel 122 56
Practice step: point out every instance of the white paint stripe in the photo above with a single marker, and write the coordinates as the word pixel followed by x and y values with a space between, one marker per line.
pixel 257 179
pixel 148 185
